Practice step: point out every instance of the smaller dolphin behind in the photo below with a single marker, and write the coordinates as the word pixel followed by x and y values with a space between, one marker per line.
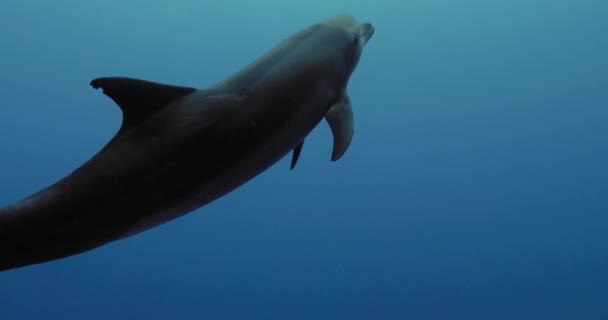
pixel 180 148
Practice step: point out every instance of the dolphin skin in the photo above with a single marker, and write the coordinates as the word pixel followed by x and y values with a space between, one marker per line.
pixel 180 148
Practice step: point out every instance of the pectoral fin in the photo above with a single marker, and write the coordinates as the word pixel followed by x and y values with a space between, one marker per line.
pixel 296 154
pixel 341 121
pixel 138 99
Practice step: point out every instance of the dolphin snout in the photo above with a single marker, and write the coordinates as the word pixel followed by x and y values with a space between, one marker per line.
pixel 366 31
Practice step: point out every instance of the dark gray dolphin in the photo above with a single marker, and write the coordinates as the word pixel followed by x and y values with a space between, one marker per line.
pixel 180 148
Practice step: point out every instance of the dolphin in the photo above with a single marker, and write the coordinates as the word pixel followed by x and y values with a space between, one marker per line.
pixel 179 148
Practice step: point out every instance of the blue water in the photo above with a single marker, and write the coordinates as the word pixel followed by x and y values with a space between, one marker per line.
pixel 476 186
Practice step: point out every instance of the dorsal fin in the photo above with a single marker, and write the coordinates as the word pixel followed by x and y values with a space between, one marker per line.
pixel 138 99
pixel 296 154
pixel 341 121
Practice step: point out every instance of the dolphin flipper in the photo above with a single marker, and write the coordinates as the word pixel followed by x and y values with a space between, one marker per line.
pixel 138 99
pixel 296 154
pixel 341 121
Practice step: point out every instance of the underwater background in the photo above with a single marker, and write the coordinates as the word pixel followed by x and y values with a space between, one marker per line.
pixel 476 185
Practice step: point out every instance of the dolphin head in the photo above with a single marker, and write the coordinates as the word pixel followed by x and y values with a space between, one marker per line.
pixel 361 31
pixel 354 37
pixel 366 31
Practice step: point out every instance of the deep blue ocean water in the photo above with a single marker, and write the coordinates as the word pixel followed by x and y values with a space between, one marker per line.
pixel 476 186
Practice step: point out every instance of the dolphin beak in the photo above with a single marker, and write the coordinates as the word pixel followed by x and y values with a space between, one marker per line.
pixel 366 31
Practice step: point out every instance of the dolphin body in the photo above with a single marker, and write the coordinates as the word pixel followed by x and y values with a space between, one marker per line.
pixel 180 148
